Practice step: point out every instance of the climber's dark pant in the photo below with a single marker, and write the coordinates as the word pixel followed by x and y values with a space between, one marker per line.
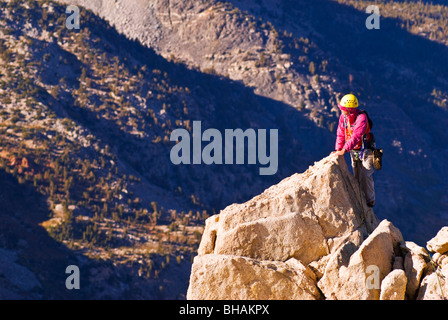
pixel 363 171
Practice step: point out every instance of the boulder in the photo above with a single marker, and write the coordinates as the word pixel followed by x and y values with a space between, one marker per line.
pixel 440 242
pixel 224 277
pixel 208 239
pixel 300 217
pixel 393 286
pixel 398 263
pixel 415 263
pixel 440 259
pixel 433 287
pixel 361 277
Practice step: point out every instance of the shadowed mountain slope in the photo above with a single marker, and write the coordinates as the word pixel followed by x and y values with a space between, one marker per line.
pixel 309 54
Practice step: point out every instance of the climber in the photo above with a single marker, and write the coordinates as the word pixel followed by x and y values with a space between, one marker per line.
pixel 353 135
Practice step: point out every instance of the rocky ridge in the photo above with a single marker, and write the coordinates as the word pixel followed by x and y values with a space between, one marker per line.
pixel 312 237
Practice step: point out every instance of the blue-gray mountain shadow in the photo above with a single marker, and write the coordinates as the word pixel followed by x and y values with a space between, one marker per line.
pixel 218 103
pixel 34 264
pixel 38 262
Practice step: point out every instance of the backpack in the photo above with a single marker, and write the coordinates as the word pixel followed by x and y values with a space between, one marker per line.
pixel 377 153
pixel 368 118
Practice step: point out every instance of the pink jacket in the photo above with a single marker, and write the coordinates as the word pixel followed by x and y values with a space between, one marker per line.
pixel 359 125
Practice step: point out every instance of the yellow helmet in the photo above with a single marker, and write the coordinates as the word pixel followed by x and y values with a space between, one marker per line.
pixel 349 101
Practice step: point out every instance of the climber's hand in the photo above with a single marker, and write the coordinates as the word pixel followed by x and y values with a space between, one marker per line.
pixel 338 153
